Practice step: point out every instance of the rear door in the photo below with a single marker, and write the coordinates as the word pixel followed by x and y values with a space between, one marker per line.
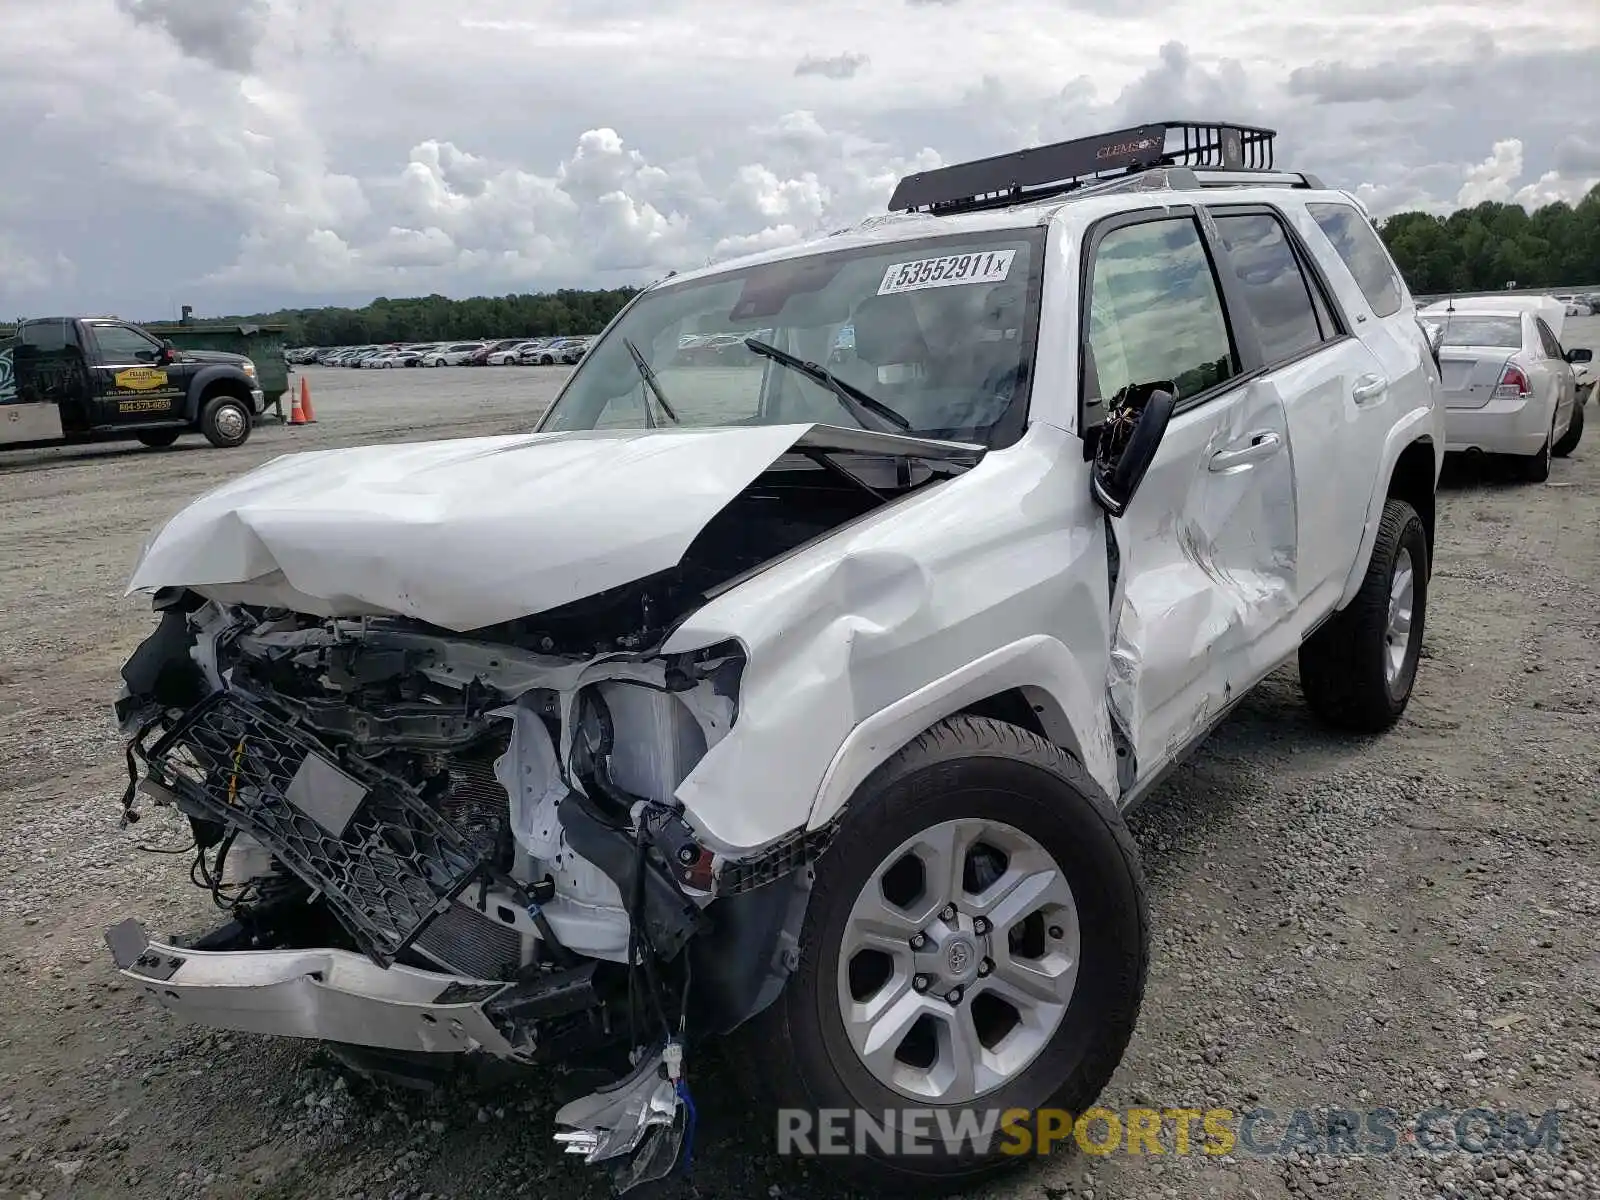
pixel 129 385
pixel 1379 311
pixel 1206 552
pixel 1295 340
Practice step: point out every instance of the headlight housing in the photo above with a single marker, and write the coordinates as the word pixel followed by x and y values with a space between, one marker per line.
pixel 250 368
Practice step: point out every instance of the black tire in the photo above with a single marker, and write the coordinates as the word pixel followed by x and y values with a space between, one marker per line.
pixel 963 767
pixel 1535 468
pixel 1574 434
pixel 546 361
pixel 159 439
pixel 226 421
pixel 1342 666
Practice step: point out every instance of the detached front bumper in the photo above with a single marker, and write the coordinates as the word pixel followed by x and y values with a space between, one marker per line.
pixel 324 994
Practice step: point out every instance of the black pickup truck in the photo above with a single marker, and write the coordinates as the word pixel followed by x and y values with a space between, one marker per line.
pixel 66 379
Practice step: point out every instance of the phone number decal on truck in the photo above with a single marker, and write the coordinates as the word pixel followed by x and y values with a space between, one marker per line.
pixel 150 404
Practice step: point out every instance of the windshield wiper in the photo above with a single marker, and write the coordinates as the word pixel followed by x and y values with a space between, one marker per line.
pixel 860 405
pixel 647 374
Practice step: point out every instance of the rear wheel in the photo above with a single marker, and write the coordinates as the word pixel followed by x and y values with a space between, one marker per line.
pixel 158 439
pixel 1358 670
pixel 225 421
pixel 977 940
pixel 1535 468
pixel 1569 440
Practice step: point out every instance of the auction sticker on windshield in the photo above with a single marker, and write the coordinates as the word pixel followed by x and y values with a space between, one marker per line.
pixel 990 266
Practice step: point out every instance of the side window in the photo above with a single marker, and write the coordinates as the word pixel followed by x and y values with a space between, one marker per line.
pixel 1154 312
pixel 1362 250
pixel 47 337
pixel 1277 295
pixel 1552 347
pixel 122 344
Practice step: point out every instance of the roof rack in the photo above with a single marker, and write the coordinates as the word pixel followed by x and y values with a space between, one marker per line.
pixel 1042 171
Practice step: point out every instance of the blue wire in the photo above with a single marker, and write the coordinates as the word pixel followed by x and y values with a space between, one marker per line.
pixel 688 1132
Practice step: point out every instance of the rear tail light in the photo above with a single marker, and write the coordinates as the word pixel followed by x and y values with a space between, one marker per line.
pixel 1513 384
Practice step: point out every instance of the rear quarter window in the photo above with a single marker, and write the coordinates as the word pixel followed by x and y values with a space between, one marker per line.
pixel 1363 252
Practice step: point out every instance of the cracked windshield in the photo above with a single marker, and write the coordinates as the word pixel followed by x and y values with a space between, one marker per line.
pixel 933 339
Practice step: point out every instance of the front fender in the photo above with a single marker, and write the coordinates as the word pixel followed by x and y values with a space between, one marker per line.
pixel 1071 710
pixel 1422 424
pixel 989 582
pixel 205 377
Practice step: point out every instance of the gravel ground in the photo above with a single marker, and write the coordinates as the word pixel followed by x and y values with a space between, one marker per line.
pixel 1404 922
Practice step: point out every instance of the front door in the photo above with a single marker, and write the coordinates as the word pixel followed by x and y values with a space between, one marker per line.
pixel 1207 551
pixel 131 385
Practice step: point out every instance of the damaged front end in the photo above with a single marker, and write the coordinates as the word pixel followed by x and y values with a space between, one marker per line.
pixel 428 842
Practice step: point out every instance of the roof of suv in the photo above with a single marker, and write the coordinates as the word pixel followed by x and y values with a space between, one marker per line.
pixel 1163 163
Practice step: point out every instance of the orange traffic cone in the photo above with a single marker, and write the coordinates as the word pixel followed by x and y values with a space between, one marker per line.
pixel 297 415
pixel 307 417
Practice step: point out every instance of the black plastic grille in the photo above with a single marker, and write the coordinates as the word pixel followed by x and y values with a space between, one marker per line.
pixel 385 873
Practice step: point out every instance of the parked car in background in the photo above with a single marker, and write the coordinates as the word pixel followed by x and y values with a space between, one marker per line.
pixel 1509 385
pixel 480 356
pixel 560 350
pixel 507 355
pixel 453 355
pixel 532 351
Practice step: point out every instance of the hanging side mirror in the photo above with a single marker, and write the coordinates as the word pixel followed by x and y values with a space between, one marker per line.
pixel 1128 442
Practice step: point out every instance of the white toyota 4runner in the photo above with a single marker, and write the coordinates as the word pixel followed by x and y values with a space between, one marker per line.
pixel 750 694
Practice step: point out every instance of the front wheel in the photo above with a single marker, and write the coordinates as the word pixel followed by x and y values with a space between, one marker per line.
pixel 1569 440
pixel 1358 670
pixel 225 421
pixel 977 940
pixel 159 439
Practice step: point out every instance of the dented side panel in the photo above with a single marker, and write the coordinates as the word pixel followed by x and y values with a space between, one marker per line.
pixel 858 643
pixel 1209 572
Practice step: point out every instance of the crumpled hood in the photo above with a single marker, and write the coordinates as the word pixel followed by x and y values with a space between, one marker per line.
pixel 468 533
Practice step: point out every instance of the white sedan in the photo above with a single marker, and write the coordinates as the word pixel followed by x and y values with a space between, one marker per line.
pixel 1510 387
pixel 508 356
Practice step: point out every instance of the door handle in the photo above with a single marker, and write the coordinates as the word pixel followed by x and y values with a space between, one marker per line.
pixel 1262 446
pixel 1368 388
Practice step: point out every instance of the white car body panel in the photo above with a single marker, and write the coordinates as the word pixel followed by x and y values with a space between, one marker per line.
pixel 860 642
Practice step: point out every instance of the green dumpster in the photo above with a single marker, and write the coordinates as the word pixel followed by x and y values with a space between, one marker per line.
pixel 263 344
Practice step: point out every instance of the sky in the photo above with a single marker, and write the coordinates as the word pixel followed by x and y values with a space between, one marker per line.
pixel 245 155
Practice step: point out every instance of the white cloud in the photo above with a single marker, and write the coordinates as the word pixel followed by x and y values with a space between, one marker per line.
pixel 320 148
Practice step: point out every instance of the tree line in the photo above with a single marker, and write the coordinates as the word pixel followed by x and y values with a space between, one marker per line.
pixel 436 318
pixel 1473 249
pixel 1489 245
